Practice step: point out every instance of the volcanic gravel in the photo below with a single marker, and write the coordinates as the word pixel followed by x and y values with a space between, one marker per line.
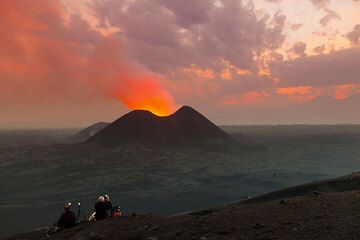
pixel 314 215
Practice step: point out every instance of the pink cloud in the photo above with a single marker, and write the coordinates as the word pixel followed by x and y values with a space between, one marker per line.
pixel 346 90
pixel 301 93
pixel 248 98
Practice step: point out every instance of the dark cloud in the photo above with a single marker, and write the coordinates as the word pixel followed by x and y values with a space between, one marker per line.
pixel 299 49
pixel 321 110
pixel 338 67
pixel 163 34
pixel 320 3
pixel 189 13
pixel 296 26
pixel 330 15
pixel 354 35
pixel 319 49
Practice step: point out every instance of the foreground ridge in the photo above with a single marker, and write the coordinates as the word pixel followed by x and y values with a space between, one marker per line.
pixel 321 210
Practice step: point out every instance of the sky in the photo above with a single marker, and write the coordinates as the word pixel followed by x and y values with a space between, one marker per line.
pixel 71 63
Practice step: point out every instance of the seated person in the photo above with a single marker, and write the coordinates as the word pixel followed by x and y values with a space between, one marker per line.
pixel 108 205
pixel 67 218
pixel 100 208
pixel 116 212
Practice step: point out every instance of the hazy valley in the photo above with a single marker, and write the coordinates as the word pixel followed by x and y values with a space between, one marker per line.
pixel 42 169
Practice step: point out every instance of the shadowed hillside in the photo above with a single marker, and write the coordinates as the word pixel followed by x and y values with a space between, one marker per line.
pixel 90 131
pixel 319 210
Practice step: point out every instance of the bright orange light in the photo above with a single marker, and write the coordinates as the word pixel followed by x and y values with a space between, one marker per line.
pixel 115 76
pixel 146 93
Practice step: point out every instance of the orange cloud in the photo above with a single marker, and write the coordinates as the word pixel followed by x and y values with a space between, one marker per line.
pixel 346 90
pixel 38 56
pixel 114 75
pixel 226 74
pixel 229 69
pixel 200 72
pixel 248 98
pixel 45 52
pixel 242 71
pixel 302 93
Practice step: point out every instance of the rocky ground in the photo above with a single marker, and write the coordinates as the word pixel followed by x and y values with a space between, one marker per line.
pixel 320 210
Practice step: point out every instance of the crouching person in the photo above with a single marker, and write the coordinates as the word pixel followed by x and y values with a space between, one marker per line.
pixel 116 212
pixel 67 218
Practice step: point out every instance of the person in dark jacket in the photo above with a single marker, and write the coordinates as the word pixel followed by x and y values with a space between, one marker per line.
pixel 108 206
pixel 67 218
pixel 100 209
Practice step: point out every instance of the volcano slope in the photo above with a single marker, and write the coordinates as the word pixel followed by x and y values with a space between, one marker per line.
pixel 90 131
pixel 320 210
pixel 183 129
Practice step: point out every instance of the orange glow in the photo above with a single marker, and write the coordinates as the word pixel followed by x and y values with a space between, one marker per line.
pixel 242 71
pixel 114 75
pixel 199 72
pixel 301 93
pixel 346 90
pixel 146 93
pixel 252 97
pixel 38 57
pixel 226 74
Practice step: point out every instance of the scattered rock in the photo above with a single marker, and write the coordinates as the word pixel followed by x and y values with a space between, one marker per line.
pixel 92 236
pixel 223 232
pixel 154 228
pixel 258 226
pixel 203 238
pixel 152 238
pixel 282 202
pixel 178 233
pixel 316 192
pixel 330 227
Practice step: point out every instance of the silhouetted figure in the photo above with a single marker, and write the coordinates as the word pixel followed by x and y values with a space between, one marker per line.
pixel 108 206
pixel 100 209
pixel 67 218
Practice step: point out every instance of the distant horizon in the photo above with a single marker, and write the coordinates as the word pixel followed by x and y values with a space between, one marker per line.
pixel 3 127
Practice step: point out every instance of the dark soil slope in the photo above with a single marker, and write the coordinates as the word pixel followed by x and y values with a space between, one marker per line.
pixel 90 131
pixel 185 128
pixel 312 214
pixel 341 184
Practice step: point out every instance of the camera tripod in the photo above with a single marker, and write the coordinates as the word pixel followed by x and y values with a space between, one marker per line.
pixel 80 211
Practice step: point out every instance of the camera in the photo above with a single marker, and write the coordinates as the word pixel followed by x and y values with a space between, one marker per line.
pixel 80 211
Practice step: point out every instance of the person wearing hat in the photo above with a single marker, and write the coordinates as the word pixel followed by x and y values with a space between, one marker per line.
pixel 67 218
